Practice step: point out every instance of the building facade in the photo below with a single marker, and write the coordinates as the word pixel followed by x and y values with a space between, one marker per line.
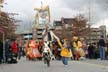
pixel 96 33
pixel 65 28
pixel 68 27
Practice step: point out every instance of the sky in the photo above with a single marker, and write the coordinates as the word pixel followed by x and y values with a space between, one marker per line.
pixel 59 8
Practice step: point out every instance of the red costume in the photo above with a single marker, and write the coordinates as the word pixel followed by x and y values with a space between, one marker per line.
pixel 14 47
pixel 34 53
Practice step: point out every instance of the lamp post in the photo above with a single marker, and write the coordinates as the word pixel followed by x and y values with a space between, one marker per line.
pixel 4 48
pixel 1 31
pixel 3 35
pixel 89 20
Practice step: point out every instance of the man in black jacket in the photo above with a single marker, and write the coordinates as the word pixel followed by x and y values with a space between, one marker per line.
pixel 7 50
pixel 102 48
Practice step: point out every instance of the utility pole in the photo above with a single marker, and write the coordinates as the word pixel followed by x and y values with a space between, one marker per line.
pixel 3 35
pixel 90 21
pixel 1 6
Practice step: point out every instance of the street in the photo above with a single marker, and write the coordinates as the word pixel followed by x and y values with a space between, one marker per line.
pixel 56 66
pixel 54 29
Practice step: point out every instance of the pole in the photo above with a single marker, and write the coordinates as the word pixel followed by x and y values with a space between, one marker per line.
pixel 4 49
pixel 90 21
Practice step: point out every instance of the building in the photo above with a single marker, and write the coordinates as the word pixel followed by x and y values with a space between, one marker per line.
pixel 96 33
pixel 103 31
pixel 58 26
pixel 64 28
pixel 69 27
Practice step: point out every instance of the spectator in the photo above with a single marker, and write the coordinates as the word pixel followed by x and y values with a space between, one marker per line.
pixel 7 49
pixel 91 49
pixel 14 47
pixel 101 44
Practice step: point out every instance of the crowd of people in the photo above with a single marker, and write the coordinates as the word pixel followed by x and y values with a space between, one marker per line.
pixel 60 49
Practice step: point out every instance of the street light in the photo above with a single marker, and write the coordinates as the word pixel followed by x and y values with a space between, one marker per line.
pixel 2 31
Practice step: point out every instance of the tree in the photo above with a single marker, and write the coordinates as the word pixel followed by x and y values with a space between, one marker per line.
pixel 70 27
pixel 8 25
pixel 81 28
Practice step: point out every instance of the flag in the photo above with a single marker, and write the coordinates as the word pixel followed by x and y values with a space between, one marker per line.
pixel 1 30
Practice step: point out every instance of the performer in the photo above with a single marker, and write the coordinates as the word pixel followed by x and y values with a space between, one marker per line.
pixel 14 48
pixel 47 39
pixel 34 53
pixel 65 52
pixel 46 54
pixel 27 49
pixel 78 48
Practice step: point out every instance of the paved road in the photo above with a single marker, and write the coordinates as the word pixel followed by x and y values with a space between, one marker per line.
pixel 56 66
pixel 98 61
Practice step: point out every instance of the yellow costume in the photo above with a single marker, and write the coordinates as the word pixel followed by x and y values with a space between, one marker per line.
pixel 64 51
pixel 78 47
pixel 79 52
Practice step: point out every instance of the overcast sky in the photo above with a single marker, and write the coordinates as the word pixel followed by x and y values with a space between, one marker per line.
pixel 59 8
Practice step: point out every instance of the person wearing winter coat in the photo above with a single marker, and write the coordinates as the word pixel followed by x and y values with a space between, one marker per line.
pixel 65 52
pixel 14 48
pixel 7 50
pixel 102 45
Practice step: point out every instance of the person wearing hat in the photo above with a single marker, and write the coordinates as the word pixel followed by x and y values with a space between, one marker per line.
pixel 78 48
pixel 65 52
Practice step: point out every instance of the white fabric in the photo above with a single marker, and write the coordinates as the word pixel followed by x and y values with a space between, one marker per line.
pixel 51 35
pixel 43 32
pixel 54 36
pixel 45 38
pixel 46 49
pixel 46 44
pixel 46 35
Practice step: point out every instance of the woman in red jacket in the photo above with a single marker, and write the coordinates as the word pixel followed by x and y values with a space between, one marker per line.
pixel 14 47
